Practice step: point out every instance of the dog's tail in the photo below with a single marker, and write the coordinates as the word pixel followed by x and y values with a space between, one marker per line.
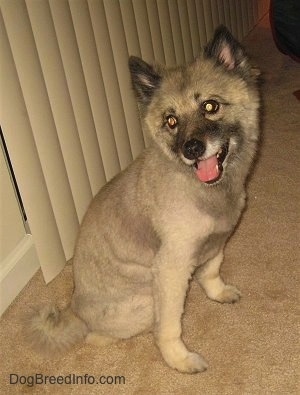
pixel 52 332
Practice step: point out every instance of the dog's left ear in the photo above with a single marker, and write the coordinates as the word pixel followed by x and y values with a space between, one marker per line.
pixel 226 50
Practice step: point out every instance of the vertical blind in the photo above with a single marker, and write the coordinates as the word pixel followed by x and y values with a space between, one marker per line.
pixel 68 114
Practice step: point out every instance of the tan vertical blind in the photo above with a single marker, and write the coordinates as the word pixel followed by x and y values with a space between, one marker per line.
pixel 68 115
pixel 28 167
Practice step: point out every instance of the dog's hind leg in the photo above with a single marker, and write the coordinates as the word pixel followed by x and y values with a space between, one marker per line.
pixel 120 320
pixel 209 278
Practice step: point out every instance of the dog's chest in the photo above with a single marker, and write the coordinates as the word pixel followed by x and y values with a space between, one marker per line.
pixel 224 209
pixel 210 246
pixel 222 220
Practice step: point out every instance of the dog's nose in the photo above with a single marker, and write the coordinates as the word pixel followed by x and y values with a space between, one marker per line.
pixel 193 149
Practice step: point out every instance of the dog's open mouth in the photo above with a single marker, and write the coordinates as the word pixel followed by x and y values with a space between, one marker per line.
pixel 210 170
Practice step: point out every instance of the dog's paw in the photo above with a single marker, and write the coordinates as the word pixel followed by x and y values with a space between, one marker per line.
pixel 229 294
pixel 192 363
pixel 178 357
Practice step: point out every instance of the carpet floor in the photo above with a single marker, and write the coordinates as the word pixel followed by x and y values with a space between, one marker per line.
pixel 252 347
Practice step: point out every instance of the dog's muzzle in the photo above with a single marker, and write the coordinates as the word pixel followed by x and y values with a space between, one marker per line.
pixel 193 149
pixel 208 169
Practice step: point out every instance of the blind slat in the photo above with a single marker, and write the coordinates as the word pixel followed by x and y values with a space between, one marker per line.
pixel 155 30
pixel 73 66
pixel 56 70
pixel 185 31
pixel 192 16
pixel 226 13
pixel 244 13
pixel 120 54
pixel 96 93
pixel 112 89
pixel 233 19
pixel 214 13
pixel 176 29
pixel 250 13
pixel 238 7
pixel 221 12
pixel 208 19
pixel 143 30
pixel 201 23
pixel 166 33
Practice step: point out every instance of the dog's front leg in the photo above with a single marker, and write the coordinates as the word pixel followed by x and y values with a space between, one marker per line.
pixel 172 273
pixel 209 278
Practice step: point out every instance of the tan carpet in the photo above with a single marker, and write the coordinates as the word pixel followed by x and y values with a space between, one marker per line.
pixel 252 347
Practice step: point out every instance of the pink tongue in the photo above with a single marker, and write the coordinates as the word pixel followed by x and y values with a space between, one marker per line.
pixel 208 169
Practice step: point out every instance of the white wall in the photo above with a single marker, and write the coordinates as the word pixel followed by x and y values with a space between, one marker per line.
pixel 18 259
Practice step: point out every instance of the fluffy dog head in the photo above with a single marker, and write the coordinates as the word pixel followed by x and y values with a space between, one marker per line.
pixel 203 115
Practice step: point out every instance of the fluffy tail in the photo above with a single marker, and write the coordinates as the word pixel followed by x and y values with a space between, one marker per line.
pixel 52 332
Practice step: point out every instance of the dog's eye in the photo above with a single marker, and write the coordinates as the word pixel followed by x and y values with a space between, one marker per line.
pixel 172 121
pixel 210 106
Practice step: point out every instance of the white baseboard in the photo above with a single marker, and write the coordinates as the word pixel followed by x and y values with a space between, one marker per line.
pixel 16 270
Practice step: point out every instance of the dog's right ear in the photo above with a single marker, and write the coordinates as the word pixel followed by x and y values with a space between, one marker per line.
pixel 145 79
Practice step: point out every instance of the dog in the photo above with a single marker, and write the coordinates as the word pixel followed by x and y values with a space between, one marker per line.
pixel 166 218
